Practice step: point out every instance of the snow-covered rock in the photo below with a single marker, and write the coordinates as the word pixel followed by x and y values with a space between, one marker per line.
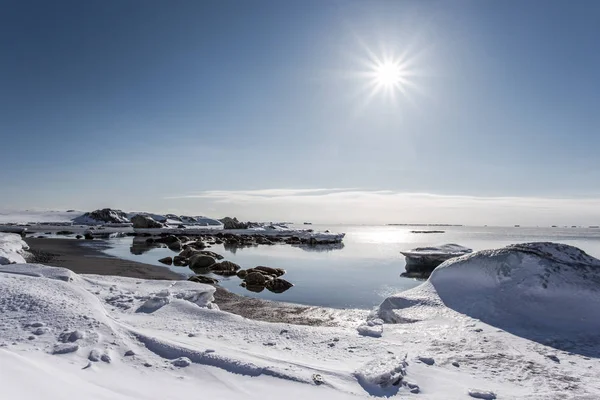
pixel 12 248
pixel 426 259
pixel 536 290
pixel 103 216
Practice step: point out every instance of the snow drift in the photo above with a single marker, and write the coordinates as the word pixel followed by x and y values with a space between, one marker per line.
pixel 12 248
pixel 535 290
pixel 99 337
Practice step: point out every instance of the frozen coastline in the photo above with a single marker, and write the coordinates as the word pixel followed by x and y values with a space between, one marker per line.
pixel 166 338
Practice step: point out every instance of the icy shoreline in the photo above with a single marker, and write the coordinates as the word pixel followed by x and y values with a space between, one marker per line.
pixel 128 338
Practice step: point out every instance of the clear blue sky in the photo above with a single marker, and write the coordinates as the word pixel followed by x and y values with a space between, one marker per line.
pixel 134 104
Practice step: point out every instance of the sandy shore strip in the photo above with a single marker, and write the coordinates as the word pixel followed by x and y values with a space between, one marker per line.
pixel 82 258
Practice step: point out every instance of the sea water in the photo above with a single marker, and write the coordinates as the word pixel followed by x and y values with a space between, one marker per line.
pixel 367 267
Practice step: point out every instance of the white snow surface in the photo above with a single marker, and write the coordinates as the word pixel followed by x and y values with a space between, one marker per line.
pixel 32 216
pixel 103 337
pixel 12 248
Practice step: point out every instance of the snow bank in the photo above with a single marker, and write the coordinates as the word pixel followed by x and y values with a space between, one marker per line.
pixel 99 337
pixel 531 289
pixel 25 217
pixel 12 248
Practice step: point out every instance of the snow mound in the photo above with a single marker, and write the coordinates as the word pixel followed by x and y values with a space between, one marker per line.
pixel 12 248
pixel 533 290
pixel 101 217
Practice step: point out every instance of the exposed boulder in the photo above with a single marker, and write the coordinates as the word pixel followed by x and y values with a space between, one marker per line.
pixel 203 279
pixel 225 265
pixel 233 223
pixel 270 271
pixel 175 246
pixel 255 279
pixel 212 254
pixel 166 260
pixel 188 252
pixel 200 261
pixel 423 260
pixel 225 268
pixel 180 261
pixel 278 285
pixel 145 222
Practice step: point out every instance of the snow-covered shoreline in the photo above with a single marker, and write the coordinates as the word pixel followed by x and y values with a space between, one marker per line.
pixel 138 339
pixel 106 222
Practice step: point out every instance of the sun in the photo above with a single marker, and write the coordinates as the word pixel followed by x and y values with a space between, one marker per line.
pixel 388 74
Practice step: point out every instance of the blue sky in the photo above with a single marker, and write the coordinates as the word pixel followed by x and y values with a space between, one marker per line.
pixel 158 105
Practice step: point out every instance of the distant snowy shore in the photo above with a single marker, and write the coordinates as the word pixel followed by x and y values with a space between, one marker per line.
pixel 106 222
pixel 98 337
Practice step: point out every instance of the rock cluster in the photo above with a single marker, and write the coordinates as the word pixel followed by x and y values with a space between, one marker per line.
pixel 204 262
pixel 258 278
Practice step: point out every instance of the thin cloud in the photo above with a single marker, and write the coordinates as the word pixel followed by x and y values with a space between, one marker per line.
pixel 352 205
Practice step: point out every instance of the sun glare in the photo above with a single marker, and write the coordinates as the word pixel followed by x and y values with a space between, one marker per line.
pixel 388 74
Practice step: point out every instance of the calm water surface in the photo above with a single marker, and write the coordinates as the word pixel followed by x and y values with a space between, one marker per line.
pixel 367 268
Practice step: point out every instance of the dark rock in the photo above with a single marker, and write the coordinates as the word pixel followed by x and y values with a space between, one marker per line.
pixel 198 244
pixel 65 233
pixel 426 259
pixel 225 266
pixel 233 223
pixel 175 246
pixel 145 222
pixel 203 279
pixel 270 271
pixel 184 239
pixel 242 273
pixel 255 279
pixel 149 240
pixel 212 254
pixel 78 237
pixel 88 236
pixel 166 260
pixel 278 285
pixel 180 261
pixel 200 261
pixel 188 252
